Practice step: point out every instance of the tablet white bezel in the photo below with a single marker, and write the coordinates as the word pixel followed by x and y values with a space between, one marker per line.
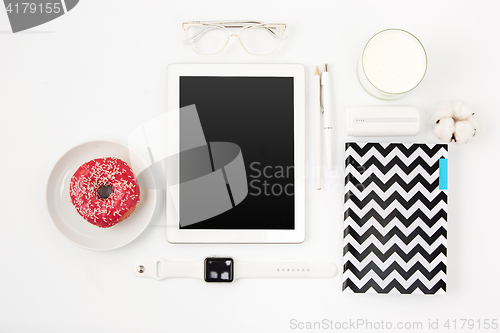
pixel 177 235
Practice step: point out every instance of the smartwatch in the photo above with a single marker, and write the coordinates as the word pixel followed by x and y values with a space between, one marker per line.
pixel 226 269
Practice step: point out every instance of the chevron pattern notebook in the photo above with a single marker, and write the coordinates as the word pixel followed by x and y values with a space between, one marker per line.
pixel 395 218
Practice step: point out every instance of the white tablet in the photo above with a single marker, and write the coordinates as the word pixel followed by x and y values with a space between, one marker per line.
pixel 236 137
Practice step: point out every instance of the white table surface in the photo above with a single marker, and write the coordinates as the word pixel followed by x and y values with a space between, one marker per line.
pixel 100 70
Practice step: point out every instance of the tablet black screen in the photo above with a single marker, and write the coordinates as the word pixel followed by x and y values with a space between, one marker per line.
pixel 256 115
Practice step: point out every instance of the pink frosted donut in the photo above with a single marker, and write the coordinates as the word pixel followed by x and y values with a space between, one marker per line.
pixel 104 191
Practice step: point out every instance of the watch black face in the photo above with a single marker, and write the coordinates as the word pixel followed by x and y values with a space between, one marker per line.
pixel 219 269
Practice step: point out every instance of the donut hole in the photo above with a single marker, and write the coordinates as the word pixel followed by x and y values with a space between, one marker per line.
pixel 105 191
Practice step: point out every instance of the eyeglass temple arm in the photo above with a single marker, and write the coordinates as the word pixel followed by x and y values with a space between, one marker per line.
pixel 207 29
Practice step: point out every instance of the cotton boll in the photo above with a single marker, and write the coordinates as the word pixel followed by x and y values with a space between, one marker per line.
pixel 455 121
pixel 443 110
pixel 461 111
pixel 444 129
pixel 476 122
pixel 464 131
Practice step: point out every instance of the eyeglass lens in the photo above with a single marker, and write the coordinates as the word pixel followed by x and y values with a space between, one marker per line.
pixel 260 40
pixel 207 39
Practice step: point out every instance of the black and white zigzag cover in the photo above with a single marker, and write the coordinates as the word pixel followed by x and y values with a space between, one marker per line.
pixel 395 218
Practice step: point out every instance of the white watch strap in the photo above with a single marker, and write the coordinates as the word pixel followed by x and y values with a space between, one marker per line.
pixel 162 269
pixel 284 270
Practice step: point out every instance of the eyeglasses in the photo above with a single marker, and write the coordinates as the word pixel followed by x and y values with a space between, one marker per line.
pixel 256 38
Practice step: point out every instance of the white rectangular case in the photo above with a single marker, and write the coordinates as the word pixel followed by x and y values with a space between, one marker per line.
pixel 383 120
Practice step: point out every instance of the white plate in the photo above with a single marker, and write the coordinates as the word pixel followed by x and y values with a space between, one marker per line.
pixel 71 224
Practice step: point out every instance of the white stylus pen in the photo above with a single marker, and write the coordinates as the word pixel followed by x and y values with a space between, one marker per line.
pixel 327 121
pixel 317 132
